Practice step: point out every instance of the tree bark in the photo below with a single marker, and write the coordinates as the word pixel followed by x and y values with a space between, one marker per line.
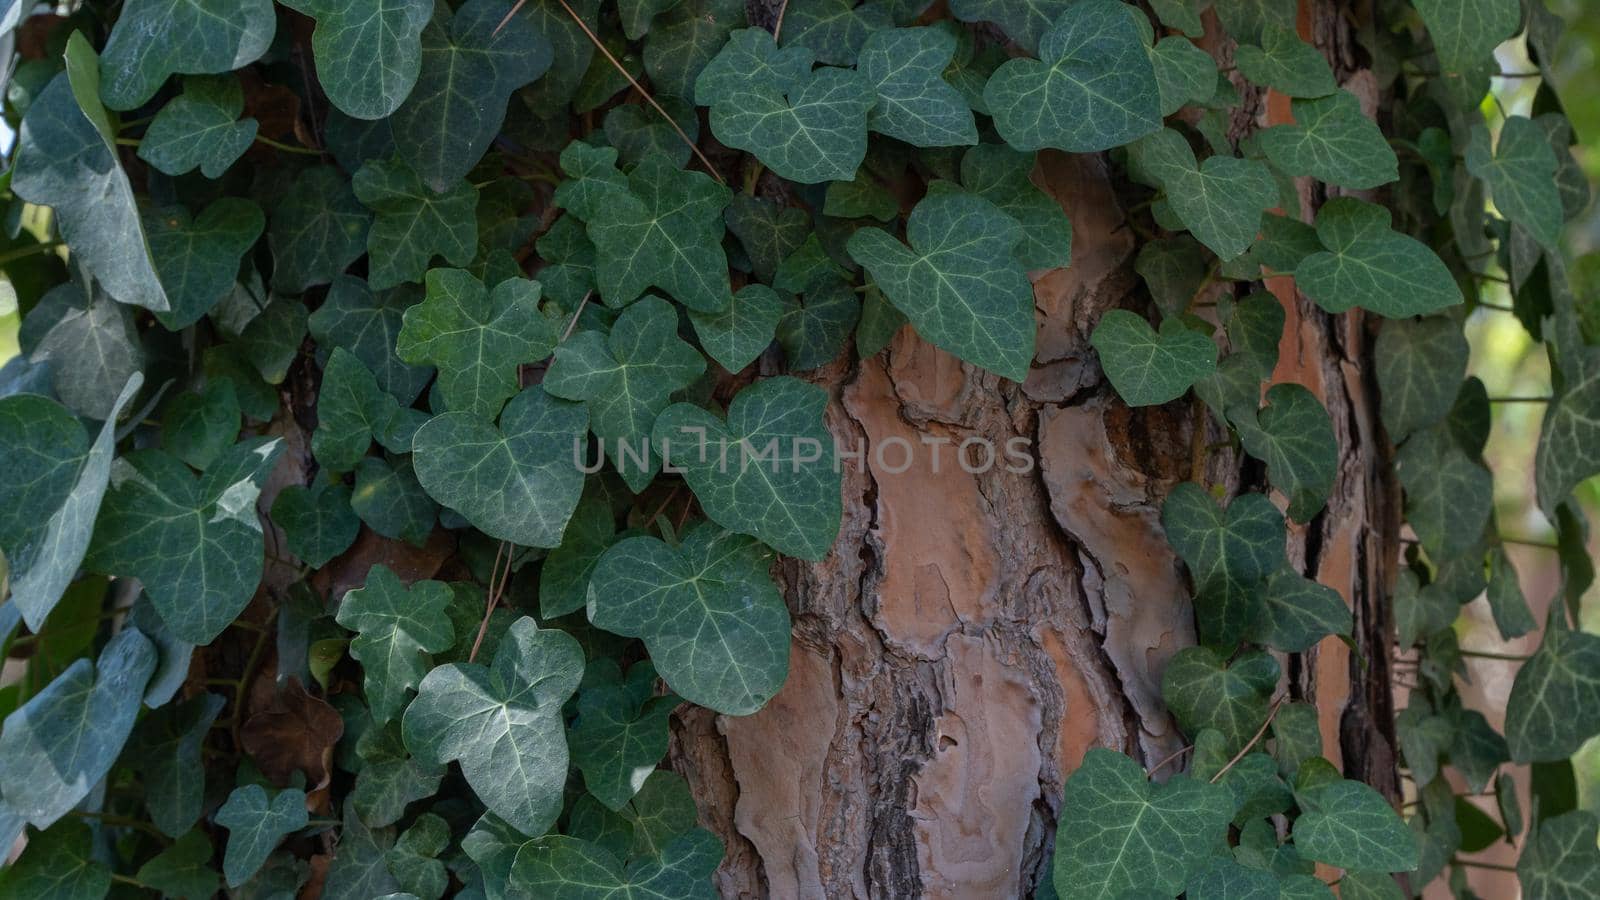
pixel 973 634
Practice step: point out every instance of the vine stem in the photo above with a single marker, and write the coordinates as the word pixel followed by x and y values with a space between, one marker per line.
pixel 1457 861
pixel 777 26
pixel 1169 758
pixel 34 250
pixel 1519 399
pixel 576 313
pixel 1271 713
pixel 640 88
pixel 494 595
pixel 1503 657
pixel 287 148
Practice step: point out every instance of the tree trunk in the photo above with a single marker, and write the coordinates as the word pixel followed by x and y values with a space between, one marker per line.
pixel 973 634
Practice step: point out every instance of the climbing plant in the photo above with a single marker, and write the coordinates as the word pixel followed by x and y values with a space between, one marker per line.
pixel 375 379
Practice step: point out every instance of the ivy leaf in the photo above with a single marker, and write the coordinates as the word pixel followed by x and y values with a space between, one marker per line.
pixel 864 197
pixel 835 31
pixel 1506 600
pixel 1220 200
pixel 738 334
pixel 1286 64
pixel 398 627
pixel 716 626
pixel 565 868
pixel 360 869
pixel 1332 141
pixel 1294 437
pixel 1185 74
pixel 49 502
pixel 518 481
pixel 659 226
pixel 367 323
pixel 1561 861
pixel 564 577
pixel 1024 21
pixel 351 411
pixel 1449 495
pixel 1300 612
pixel 156 38
pixel 391 502
pixel 56 747
pixel 959 282
pixel 1147 368
pixel 1093 87
pixel 1465 32
pixel 471 63
pixel 413 860
pixel 1248 20
pixel 1552 708
pixel 317 231
pixel 1003 177
pixel 1420 367
pixel 813 331
pixel 198 427
pixel 166 749
pixel 390 779
pixel 626 379
pixel 63 161
pixel 618 739
pixel 1349 825
pixel 58 864
pixel 91 344
pixel 1120 832
pixel 503 723
pixel 1421 611
pixel 1204 690
pixel 1180 15
pixel 1230 552
pixel 1521 176
pixel 200 128
pixel 685 38
pixel 1367 264
pixel 195 544
pixel 768 470
pixel 317 521
pixel 915 104
pixel 768 232
pixel 413 223
pixel 183 869
pixel 368 52
pixel 255 825
pixel 198 259
pixel 807 125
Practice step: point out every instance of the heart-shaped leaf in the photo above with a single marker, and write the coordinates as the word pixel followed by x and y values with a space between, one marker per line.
pixel 1420 366
pixel 1003 177
pixel 200 128
pixel 1299 612
pixel 1465 32
pixel 1521 176
pixel 166 749
pixel 1350 825
pixel 183 869
pixel 564 577
pixel 716 626
pixel 1204 690
pixel 620 735
pixel 518 481
pixel 503 723
pixel 1561 859
pixel 1148 368
pixel 1333 141
pixel 1220 201
pixel 565 868
pixel 391 502
pixel 367 323
pixel 198 259
pixel 399 626
pixel 1024 21
pixel 1294 436
pixel 1368 264
pixel 156 38
pixel 352 411
pixel 1230 553
pixel 769 470
pixel 353 38
pixel 1286 64
pixel 1185 74
pixel 1092 88
pixel 58 863
pixel 738 334
pixel 684 39
pixel 915 104
pixel 256 824
pixel 317 230
pixel 413 223
pixel 1554 705
pixel 390 778
pixel 1449 495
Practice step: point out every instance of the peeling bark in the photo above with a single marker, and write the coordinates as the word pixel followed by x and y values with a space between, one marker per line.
pixel 973 634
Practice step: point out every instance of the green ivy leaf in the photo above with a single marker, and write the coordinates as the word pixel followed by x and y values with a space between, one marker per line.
pixel 904 67
pixel 1181 15
pixel 1420 367
pixel 368 52
pixel 503 723
pixel 183 869
pixel 195 544
pixel 399 626
pixel 1449 495
pixel 1286 64
pixel 518 481
pixel 361 867
pixel 1367 264
pixel 198 427
pixel 58 864
pixel 166 749
pixel 200 128
pixel 414 862
pixel 471 63
pixel 63 161
pixel 1561 861
pixel 1204 690
pixel 1120 832
pixel 48 506
pixel 959 282
pixel 317 230
pixel 769 470
pixel 1465 32
pixel 1506 600
pixel 390 779
pixel 1521 176
pixel 1024 21
pixel 739 334
pixel 564 868
pixel 412 223
pixel 1421 611
pixel 1349 825
pixel 620 736
pixel 1230 553
pixel 1093 87
pixel 835 31
pixel 684 39
pixel 864 197
pixel 564 577
pixel 352 411
pixel 55 748
pixel 814 330
pixel 768 232
pixel 716 626
pixel 659 226
pixel 1221 200
pixel 156 38
pixel 1553 708
pixel 1003 177
pixel 626 379
pixel 391 502
pixel 198 259
pixel 367 323
pixel 1148 368
pixel 91 344
pixel 1300 612
pixel 1185 74
pixel 1332 141
pixel 256 824
pixel 317 521
pixel 1294 437
pixel 807 125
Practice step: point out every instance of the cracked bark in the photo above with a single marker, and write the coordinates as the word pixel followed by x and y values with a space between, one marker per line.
pixel 972 635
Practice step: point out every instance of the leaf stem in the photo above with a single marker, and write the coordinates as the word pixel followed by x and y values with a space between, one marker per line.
pixel 286 148
pixel 1504 657
pixel 1458 861
pixel 1525 542
pixel 32 250
pixel 1167 759
pixel 777 27
pixel 1276 705
pixel 1519 399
